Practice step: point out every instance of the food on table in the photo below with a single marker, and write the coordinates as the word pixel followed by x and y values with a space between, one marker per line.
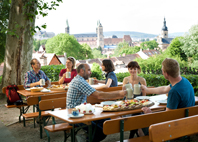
pixel 127 104
pixel 85 108
pixel 58 86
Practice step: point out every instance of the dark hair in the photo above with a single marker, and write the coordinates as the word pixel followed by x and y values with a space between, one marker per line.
pixel 73 60
pixel 81 66
pixel 109 67
pixel 32 62
pixel 134 64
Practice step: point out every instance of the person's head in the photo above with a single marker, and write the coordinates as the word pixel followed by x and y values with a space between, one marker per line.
pixel 84 70
pixel 71 62
pixel 35 64
pixel 133 67
pixel 170 67
pixel 107 65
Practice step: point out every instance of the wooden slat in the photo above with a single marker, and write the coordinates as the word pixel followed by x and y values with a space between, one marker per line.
pixel 15 106
pixel 34 100
pixel 173 129
pixel 138 139
pixel 52 103
pixel 135 122
pixel 35 114
pixel 58 127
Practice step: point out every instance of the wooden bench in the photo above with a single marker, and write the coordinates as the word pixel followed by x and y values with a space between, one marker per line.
pixel 52 104
pixel 170 130
pixel 35 100
pixel 142 121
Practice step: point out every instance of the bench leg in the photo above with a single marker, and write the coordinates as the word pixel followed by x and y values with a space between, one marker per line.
pixel 65 136
pixel 48 136
pixel 73 133
pixel 90 132
pixel 24 121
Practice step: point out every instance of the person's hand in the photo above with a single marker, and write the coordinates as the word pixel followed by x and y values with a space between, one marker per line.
pixel 64 75
pixel 123 88
pixel 144 89
pixel 96 81
pixel 123 93
pixel 146 110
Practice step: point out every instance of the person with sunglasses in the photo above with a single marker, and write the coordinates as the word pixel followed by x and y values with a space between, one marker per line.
pixel 70 65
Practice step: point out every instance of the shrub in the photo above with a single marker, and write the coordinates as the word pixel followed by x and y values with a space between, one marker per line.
pixel 0 79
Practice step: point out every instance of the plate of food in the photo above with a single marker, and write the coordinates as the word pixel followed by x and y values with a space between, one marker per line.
pixel 78 116
pixel 128 105
pixel 85 108
pixel 164 102
pixel 36 89
pixel 58 87
pixel 45 90
pixel 143 97
pixel 27 89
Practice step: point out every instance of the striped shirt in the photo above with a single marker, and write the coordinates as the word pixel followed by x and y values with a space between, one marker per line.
pixel 32 77
pixel 78 91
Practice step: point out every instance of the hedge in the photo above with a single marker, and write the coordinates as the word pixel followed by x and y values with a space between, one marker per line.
pixel 53 71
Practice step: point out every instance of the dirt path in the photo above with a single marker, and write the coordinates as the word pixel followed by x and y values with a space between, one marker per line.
pixel 9 117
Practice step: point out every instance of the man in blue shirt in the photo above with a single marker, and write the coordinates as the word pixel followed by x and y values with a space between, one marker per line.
pixel 32 78
pixel 180 91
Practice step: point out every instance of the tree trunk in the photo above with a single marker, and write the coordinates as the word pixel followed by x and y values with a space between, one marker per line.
pixel 19 46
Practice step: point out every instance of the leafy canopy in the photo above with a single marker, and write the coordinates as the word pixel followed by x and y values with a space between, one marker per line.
pixel 67 43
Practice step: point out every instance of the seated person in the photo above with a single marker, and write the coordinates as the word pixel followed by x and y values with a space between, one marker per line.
pixel 70 64
pixel 180 91
pixel 79 90
pixel 111 79
pixel 32 78
pixel 134 69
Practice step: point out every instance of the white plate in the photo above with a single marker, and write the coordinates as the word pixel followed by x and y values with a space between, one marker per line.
pixel 162 101
pixel 108 102
pixel 143 98
pixel 79 116
pixel 28 89
pixel 45 90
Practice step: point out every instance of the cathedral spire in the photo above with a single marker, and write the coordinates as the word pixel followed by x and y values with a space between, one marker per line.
pixel 164 28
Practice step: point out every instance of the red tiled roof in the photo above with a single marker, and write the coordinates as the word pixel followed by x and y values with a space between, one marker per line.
pixel 128 58
pixel 127 38
pixel 151 52
pixel 112 40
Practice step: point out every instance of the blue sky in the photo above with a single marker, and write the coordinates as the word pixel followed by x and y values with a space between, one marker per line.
pixel 122 15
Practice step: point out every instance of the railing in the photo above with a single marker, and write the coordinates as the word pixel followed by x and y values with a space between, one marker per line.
pixel 184 70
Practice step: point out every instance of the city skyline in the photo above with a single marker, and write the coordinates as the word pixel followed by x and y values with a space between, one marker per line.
pixel 126 15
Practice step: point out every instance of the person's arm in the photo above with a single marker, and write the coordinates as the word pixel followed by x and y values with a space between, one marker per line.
pixel 62 78
pixel 125 81
pixel 106 95
pixel 99 81
pixel 143 81
pixel 158 90
pixel 107 85
pixel 28 84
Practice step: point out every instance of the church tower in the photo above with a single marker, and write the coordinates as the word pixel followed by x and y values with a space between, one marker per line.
pixel 67 27
pixel 100 36
pixel 164 30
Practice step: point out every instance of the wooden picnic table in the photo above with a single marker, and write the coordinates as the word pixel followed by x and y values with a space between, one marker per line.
pixel 63 114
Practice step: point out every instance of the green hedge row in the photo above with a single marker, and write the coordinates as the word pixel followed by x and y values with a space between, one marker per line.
pixel 53 71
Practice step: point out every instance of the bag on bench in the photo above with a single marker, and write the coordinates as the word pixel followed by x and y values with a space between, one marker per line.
pixel 13 98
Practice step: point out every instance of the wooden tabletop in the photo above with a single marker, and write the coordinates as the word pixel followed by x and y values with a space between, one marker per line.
pixel 29 93
pixel 63 114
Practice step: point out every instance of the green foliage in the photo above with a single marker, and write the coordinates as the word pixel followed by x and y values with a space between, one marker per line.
pixel 86 50
pixel 0 79
pixel 96 71
pixel 149 44
pixel 194 64
pixel 120 47
pixel 190 43
pixel 130 50
pixel 52 71
pixel 67 43
pixel 100 49
pixel 174 49
pixel 155 62
pixel 97 54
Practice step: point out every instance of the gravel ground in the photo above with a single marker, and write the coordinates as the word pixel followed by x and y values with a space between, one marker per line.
pixel 9 117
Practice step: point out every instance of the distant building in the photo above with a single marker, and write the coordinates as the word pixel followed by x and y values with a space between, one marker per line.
pixel 145 54
pixel 47 58
pixel 40 35
pixel 97 39
pixel 163 39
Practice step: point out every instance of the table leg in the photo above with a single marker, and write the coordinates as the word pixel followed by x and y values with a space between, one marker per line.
pixel 73 133
pixel 90 132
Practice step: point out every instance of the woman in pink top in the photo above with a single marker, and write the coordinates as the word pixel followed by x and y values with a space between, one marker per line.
pixel 70 64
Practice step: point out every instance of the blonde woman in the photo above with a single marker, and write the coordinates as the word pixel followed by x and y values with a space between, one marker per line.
pixel 70 64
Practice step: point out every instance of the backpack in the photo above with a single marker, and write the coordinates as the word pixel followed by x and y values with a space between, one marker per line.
pixel 12 96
